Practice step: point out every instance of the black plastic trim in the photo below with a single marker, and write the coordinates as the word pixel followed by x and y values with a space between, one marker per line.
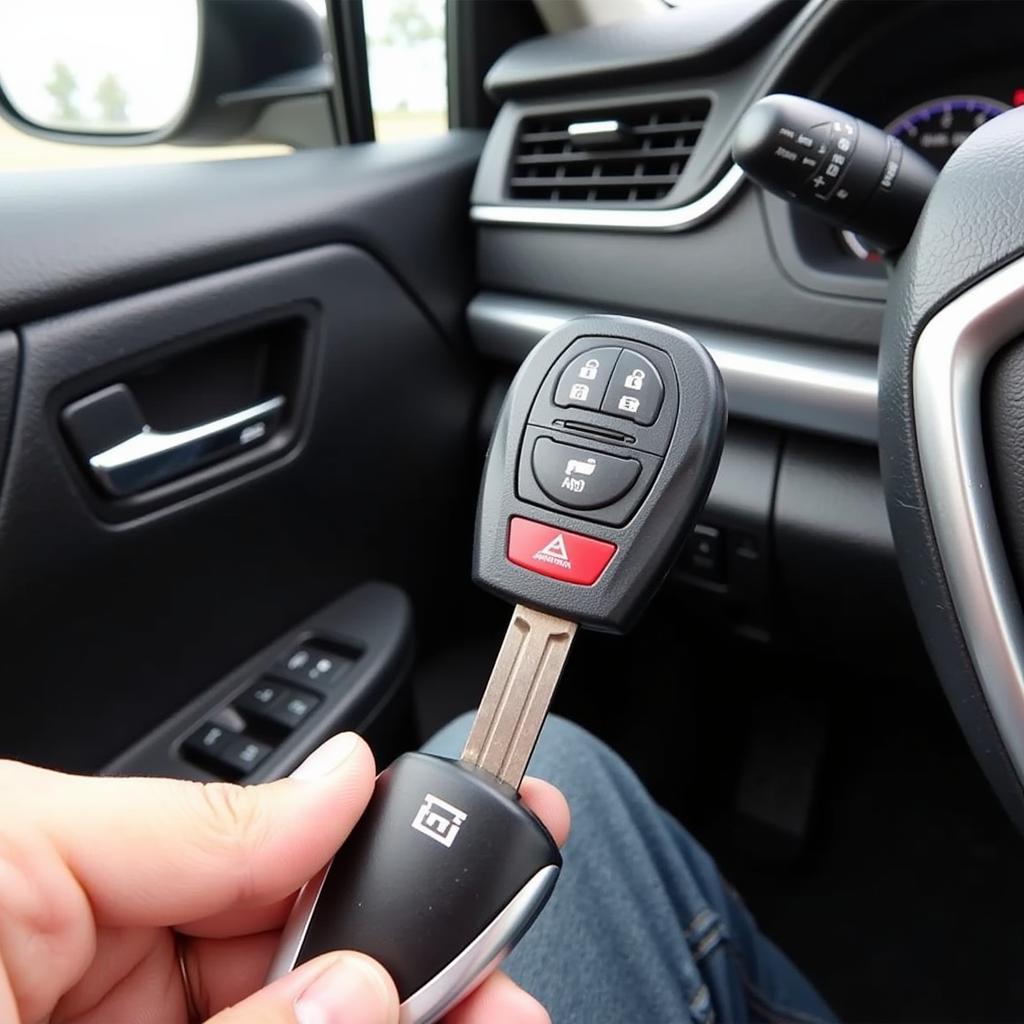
pixel 352 73
pixel 673 44
pixel 76 237
pixel 9 366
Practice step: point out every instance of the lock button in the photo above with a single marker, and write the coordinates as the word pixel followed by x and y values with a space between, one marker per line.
pixel 636 390
pixel 584 381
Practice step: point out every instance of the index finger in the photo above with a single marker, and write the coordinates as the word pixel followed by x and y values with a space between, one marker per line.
pixel 162 852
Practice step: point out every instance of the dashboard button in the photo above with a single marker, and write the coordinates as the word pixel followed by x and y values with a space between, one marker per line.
pixel 703 553
pixel 579 477
pixel 636 391
pixel 584 381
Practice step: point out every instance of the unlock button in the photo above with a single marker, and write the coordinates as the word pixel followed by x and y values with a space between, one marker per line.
pixel 584 381
pixel 636 391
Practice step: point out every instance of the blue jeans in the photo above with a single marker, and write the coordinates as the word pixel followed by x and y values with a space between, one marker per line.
pixel 641 928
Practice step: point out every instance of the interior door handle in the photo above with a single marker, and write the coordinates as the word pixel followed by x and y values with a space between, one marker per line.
pixel 143 457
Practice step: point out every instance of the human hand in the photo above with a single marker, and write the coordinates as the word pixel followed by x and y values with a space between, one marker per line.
pixel 103 881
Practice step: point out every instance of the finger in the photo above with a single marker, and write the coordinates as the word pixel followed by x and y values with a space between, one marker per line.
pixel 225 971
pixel 134 972
pixel 499 1000
pixel 548 803
pixel 159 852
pixel 541 797
pixel 8 1007
pixel 339 988
pixel 241 920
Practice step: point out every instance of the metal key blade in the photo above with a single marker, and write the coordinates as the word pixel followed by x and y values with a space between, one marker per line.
pixel 518 694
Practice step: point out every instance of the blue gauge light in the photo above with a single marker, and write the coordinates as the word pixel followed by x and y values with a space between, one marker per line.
pixel 936 128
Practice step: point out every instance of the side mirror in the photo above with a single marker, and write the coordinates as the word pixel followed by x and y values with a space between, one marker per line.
pixel 125 72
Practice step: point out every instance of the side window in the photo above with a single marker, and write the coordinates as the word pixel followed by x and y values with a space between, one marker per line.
pixel 408 63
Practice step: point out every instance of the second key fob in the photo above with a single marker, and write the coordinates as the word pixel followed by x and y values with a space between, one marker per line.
pixel 440 877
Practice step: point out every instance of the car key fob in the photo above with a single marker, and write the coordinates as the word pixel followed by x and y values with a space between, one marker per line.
pixel 439 879
pixel 601 459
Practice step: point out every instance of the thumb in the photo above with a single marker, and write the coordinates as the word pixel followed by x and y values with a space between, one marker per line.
pixel 165 852
pixel 338 988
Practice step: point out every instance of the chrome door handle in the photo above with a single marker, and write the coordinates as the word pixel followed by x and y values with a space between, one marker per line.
pixel 151 457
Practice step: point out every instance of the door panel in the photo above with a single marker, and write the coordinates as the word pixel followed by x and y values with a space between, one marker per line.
pixel 72 238
pixel 115 616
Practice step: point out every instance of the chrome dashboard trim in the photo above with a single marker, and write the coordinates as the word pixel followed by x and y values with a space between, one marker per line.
pixel 950 360
pixel 675 218
pixel 822 390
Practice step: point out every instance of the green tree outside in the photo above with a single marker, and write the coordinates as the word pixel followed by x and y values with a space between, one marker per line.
pixel 112 100
pixel 62 87
pixel 408 24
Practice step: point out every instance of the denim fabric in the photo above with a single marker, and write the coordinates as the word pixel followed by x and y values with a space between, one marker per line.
pixel 641 927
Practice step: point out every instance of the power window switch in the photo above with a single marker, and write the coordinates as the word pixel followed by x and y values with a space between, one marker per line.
pixel 272 702
pixel 242 755
pixel 259 699
pixel 292 708
pixel 208 742
pixel 309 663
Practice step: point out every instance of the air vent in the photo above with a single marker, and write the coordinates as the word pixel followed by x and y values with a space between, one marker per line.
pixel 626 155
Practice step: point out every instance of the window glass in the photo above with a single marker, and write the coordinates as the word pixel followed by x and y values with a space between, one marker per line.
pixel 408 65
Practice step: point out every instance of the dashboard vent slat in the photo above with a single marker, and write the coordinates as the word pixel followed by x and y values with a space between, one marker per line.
pixel 549 165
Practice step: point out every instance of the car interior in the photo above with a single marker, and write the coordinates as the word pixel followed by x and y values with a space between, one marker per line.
pixel 245 406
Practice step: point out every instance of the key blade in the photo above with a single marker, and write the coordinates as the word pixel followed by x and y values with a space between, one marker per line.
pixel 518 694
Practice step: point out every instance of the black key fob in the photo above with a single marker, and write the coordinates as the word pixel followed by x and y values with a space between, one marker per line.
pixel 439 879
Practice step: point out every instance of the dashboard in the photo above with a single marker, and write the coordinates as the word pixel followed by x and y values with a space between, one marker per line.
pixel 930 74
pixel 786 305
pixel 941 68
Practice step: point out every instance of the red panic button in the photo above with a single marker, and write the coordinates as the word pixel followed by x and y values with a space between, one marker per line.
pixel 560 554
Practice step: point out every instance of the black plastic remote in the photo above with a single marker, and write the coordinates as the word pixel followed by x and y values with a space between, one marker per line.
pixel 602 457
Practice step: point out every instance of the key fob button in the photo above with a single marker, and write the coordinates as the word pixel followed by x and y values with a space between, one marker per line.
pixel 636 391
pixel 559 554
pixel 581 478
pixel 584 381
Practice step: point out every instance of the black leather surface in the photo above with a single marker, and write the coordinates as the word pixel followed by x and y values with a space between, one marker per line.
pixel 694 38
pixel 972 224
pixel 75 237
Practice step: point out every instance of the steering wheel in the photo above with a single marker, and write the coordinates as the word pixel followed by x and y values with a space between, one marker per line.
pixel 951 380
